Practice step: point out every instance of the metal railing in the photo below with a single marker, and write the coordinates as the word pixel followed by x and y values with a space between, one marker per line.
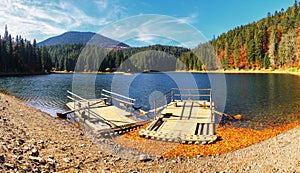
pixel 107 97
pixel 117 97
pixel 77 101
pixel 182 94
pixel 110 97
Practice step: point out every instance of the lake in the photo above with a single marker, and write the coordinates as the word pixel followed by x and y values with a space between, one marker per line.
pixel 264 100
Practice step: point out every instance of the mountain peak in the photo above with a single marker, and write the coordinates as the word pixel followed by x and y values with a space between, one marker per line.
pixel 72 37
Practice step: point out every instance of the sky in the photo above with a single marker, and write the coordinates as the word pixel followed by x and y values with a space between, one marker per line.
pixel 41 19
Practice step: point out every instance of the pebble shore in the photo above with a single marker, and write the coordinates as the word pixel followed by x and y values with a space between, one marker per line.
pixel 33 141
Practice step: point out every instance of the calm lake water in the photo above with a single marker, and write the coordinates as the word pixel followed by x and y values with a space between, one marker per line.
pixel 263 99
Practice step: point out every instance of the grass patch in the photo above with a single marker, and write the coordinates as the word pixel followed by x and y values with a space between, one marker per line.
pixel 293 69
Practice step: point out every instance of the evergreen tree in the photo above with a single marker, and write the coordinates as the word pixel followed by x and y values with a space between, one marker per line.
pixel 19 55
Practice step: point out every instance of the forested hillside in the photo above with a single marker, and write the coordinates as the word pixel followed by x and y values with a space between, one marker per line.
pixel 20 56
pixel 273 42
pixel 94 58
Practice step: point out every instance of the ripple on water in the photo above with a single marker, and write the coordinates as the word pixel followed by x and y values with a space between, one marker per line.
pixel 264 100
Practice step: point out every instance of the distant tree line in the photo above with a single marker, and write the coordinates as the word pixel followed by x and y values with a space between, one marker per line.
pixel 21 56
pixel 91 58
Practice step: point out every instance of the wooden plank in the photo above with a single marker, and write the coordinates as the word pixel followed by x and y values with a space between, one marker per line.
pixel 110 115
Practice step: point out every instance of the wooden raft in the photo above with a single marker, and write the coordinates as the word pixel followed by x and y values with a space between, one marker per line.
pixel 184 121
pixel 103 115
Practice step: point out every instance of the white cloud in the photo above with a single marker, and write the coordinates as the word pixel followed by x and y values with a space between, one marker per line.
pixel 41 19
pixel 193 18
pixel 154 29
pixel 102 4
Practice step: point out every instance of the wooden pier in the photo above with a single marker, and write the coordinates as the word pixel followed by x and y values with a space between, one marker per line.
pixel 102 115
pixel 187 120
pixel 181 115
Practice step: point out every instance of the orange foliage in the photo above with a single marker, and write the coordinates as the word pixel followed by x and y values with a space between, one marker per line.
pixel 243 57
pixel 269 29
pixel 279 33
pixel 231 138
pixel 221 55
pixel 298 46
pixel 231 61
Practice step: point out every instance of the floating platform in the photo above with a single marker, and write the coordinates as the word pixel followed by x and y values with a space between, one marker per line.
pixel 189 120
pixel 181 115
pixel 102 115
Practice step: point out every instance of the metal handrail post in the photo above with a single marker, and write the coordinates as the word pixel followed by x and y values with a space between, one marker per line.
pixel 211 104
pixel 89 109
pixel 74 101
pixel 172 94
pixel 154 109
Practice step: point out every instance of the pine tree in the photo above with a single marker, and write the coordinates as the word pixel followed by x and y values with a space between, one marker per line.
pixel 273 45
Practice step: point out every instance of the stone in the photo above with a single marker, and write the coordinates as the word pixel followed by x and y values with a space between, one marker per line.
pixel 41 142
pixel 20 141
pixel 51 162
pixel 144 158
pixel 17 151
pixel 37 159
pixel 51 157
pixel 34 152
pixel 118 159
pixel 2 158
pixel 36 170
pixel 174 161
pixel 42 161
pixel 9 166
pixel 66 160
pixel 199 156
pixel 26 148
pixel 20 157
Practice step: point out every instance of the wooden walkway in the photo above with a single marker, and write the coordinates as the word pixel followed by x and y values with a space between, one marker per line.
pixel 184 121
pixel 101 115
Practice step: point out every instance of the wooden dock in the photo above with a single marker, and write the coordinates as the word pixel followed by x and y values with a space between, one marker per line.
pixel 188 117
pixel 185 121
pixel 102 115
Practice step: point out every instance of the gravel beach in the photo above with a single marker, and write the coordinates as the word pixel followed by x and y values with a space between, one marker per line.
pixel 33 141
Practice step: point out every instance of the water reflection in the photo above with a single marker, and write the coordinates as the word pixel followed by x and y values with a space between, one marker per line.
pixel 264 100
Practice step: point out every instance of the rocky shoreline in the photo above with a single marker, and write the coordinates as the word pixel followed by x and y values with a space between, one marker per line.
pixel 32 141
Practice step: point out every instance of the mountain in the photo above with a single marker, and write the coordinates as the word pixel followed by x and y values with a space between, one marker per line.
pixel 82 37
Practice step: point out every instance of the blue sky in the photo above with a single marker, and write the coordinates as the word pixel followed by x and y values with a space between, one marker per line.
pixel 42 19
